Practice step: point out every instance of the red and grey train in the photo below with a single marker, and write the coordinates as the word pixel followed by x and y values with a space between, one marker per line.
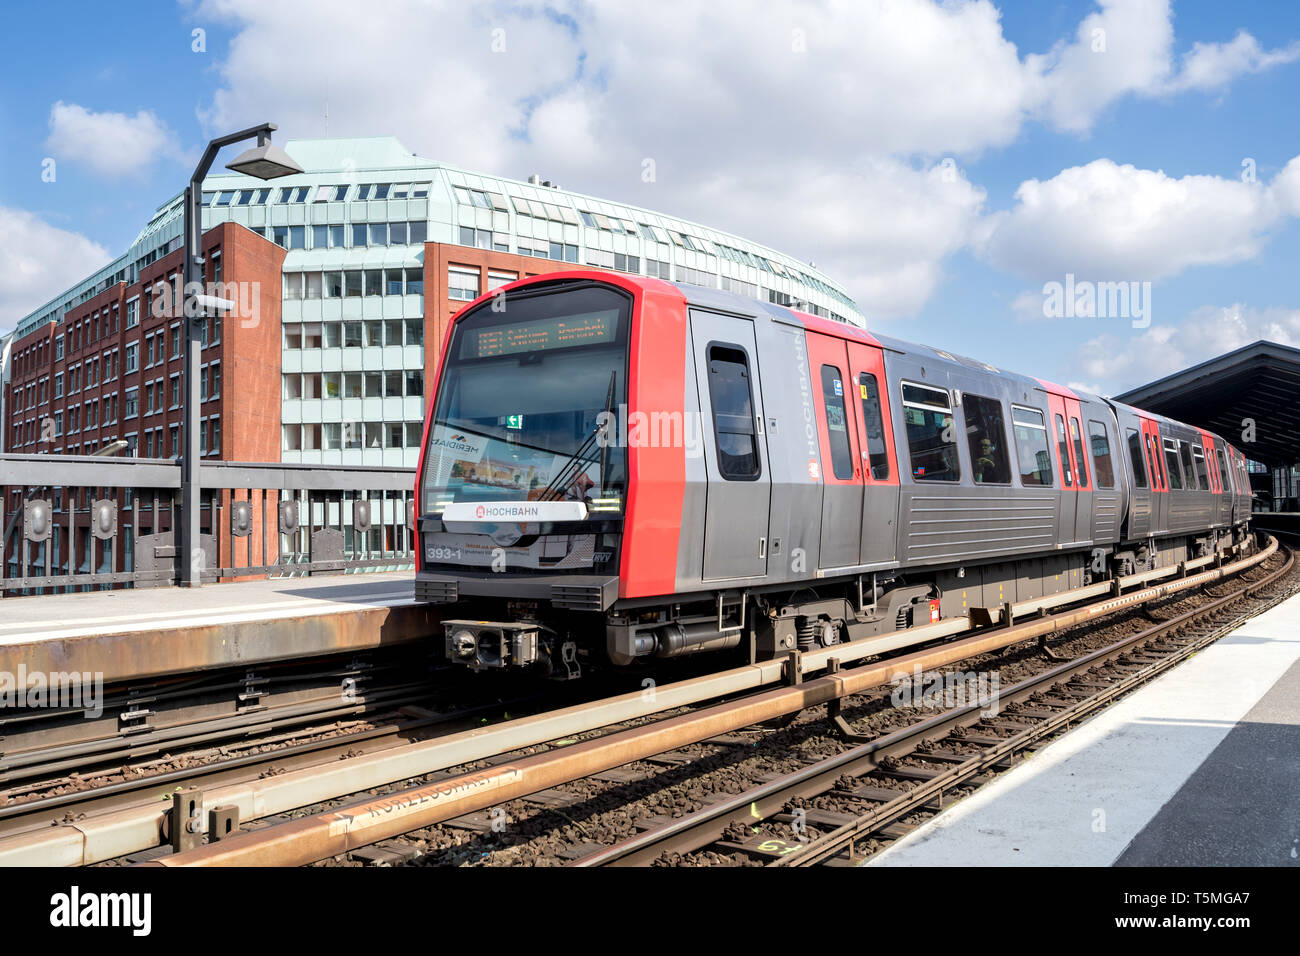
pixel 618 468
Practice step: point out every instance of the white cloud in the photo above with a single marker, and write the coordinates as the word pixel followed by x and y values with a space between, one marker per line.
pixel 40 260
pixel 825 121
pixel 1107 221
pixel 1122 362
pixel 1212 66
pixel 1122 48
pixel 112 144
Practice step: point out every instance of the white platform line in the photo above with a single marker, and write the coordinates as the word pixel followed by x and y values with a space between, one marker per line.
pixel 315 609
pixel 269 605
pixel 1082 799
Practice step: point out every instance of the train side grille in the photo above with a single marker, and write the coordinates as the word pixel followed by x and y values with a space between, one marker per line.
pixel 578 597
pixel 437 592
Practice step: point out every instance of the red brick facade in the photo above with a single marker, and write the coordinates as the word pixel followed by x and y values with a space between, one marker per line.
pixel 242 418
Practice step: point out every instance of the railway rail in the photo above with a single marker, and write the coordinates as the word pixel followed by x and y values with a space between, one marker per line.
pixel 1060 696
pixel 326 834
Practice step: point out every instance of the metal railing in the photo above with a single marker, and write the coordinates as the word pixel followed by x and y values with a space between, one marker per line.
pixel 76 522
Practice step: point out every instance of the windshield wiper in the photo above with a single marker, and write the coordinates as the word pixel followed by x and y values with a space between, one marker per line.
pixel 572 466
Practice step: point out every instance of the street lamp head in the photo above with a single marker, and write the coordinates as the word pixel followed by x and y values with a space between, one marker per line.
pixel 264 161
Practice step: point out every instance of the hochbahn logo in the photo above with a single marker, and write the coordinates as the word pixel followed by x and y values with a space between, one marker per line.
pixel 508 511
pixel 77 690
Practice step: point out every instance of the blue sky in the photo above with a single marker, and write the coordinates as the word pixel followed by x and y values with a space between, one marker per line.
pixel 826 146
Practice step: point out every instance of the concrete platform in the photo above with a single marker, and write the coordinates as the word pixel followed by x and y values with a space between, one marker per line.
pixel 1199 768
pixel 151 631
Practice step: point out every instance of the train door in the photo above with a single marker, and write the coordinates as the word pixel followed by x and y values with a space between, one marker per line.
pixel 1143 484
pixel 837 429
pixel 868 392
pixel 1214 464
pixel 1083 477
pixel 1056 428
pixel 1159 479
pixel 735 447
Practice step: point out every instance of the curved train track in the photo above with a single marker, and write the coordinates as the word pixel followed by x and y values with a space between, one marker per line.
pixel 899 773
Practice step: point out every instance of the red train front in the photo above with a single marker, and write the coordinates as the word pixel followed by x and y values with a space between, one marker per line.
pixel 617 468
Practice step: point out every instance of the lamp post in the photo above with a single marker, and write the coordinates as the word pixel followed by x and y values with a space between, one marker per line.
pixel 263 161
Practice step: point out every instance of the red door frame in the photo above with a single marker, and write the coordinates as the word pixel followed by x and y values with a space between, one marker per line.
pixel 871 360
pixel 825 350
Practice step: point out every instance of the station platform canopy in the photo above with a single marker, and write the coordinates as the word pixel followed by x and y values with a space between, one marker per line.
pixel 1259 383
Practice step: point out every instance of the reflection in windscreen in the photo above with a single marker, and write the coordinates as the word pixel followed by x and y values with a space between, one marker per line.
pixel 510 420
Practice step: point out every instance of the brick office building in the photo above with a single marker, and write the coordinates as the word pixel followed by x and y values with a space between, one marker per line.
pixel 360 261
pixel 110 367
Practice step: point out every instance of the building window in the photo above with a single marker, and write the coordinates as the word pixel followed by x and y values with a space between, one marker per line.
pixel 332 193
pixel 131 403
pixel 176 341
pixel 58 385
pixel 733 418
pixel 987 439
pixel 932 447
pixel 462 285
pixel 352 283
pixel 175 440
pixel 415 282
pixel 132 357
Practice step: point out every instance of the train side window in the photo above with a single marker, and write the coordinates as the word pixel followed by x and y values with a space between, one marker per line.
pixel 1157 467
pixel 1080 461
pixel 1189 473
pixel 930 440
pixel 1063 449
pixel 1135 458
pixel 987 436
pixel 873 420
pixel 1223 470
pixel 1171 461
pixel 1032 450
pixel 1101 463
pixel 733 414
pixel 837 424
pixel 1201 478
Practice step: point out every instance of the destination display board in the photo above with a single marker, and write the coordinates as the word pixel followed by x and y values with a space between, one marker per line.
pixel 538 335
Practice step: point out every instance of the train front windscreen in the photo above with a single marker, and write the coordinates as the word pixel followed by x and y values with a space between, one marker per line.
pixel 528 401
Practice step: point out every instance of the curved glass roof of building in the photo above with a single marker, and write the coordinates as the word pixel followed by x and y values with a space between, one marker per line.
pixel 377 180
